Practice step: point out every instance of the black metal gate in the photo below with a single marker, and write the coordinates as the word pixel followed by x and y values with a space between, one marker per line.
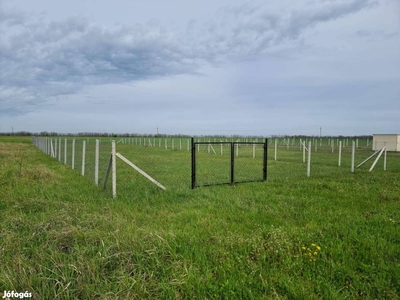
pixel 228 162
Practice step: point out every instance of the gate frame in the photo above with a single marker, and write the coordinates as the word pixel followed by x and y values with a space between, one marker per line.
pixel 232 169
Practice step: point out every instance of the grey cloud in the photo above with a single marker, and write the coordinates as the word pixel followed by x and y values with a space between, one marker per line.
pixel 41 61
pixel 363 33
pixel 250 29
pixel 46 60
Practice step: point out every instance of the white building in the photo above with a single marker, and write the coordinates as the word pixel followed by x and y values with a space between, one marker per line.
pixel 392 142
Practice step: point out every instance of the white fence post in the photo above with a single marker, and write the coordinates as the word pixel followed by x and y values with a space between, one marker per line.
pixel 276 147
pixel 83 157
pixel 65 151
pixel 59 150
pixel 384 159
pixel 55 147
pixel 73 154
pixel 114 170
pixel 309 159
pixel 96 163
pixel 353 150
pixel 340 153
pixel 51 148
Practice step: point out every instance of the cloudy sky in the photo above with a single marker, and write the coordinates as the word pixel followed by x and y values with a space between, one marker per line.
pixel 200 67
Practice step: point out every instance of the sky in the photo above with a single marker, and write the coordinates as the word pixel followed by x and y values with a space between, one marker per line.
pixel 229 67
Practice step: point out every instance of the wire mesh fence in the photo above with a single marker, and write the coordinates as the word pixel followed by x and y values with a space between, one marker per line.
pixel 250 162
pixel 89 157
pixel 170 167
pixel 169 160
pixel 228 162
pixel 208 167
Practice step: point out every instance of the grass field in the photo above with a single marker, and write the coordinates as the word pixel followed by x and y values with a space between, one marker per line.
pixel 334 235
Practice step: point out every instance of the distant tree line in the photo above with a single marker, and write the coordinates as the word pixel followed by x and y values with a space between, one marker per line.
pixel 106 134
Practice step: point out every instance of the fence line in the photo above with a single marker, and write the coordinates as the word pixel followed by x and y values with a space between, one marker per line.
pixel 91 156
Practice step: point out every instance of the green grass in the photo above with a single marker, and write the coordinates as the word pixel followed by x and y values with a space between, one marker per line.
pixel 64 238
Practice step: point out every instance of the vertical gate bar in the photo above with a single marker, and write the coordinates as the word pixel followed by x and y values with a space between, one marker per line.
pixel 265 160
pixel 193 163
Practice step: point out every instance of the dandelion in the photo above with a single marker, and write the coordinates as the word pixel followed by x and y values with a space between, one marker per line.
pixel 311 252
